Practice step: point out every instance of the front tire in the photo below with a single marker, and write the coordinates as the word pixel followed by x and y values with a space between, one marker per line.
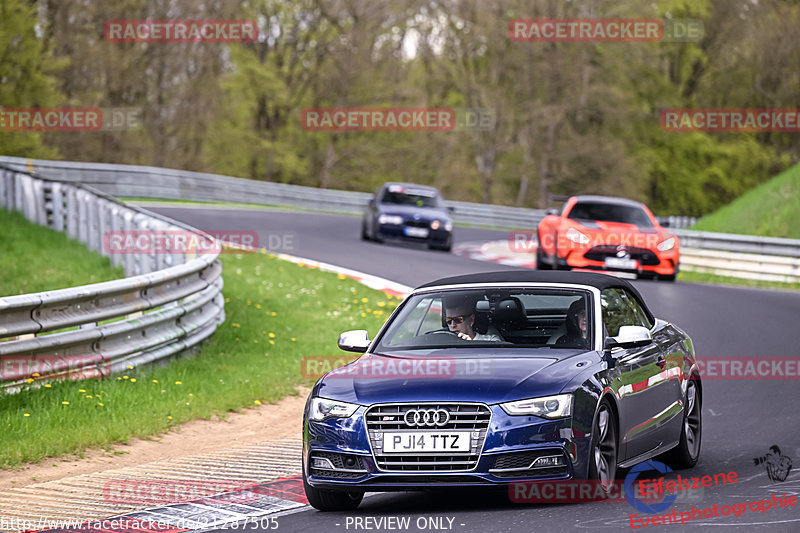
pixel 603 449
pixel 331 500
pixel 687 452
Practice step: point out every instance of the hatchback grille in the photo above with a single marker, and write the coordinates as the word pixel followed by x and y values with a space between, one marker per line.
pixel 470 417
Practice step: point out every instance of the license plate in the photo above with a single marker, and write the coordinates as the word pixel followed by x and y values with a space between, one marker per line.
pixel 418 441
pixel 625 264
pixel 416 232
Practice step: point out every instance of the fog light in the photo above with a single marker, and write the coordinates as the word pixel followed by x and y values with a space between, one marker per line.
pixel 549 461
pixel 350 462
pixel 322 463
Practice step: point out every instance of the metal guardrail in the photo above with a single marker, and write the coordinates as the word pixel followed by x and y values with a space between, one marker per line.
pixel 747 266
pixel 170 302
pixel 153 182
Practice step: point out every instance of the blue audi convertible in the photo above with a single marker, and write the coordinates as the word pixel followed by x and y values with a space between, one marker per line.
pixel 503 377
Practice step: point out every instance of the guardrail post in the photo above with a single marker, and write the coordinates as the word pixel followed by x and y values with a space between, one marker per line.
pixel 56 193
pixel 72 211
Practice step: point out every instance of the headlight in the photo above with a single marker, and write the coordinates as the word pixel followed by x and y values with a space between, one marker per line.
pixel 448 226
pixel 435 224
pixel 390 219
pixel 323 408
pixel 576 236
pixel 548 407
pixel 667 244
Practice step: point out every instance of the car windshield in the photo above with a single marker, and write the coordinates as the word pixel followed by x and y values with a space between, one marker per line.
pixel 610 213
pixel 496 317
pixel 408 196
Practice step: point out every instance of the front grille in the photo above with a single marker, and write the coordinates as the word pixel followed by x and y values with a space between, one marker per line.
pixel 521 460
pixel 417 223
pixel 338 462
pixel 470 417
pixel 643 255
pixel 405 480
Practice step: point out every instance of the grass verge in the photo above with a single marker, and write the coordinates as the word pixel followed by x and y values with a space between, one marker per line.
pixel 277 313
pixel 702 277
pixel 770 210
pixel 27 265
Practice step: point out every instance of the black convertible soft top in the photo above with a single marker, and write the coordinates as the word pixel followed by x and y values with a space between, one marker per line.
pixel 600 281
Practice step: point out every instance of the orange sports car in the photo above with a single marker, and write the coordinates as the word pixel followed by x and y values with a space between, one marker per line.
pixel 603 232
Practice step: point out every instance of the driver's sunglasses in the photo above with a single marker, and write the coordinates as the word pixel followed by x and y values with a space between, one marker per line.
pixel 455 319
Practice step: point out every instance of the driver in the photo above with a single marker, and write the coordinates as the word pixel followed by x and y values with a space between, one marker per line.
pixel 460 319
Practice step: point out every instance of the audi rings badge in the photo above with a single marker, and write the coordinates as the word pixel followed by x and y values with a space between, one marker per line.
pixel 426 417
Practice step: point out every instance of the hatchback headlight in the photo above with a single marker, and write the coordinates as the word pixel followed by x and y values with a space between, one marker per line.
pixel 390 219
pixel 323 408
pixel 557 406
pixel 667 244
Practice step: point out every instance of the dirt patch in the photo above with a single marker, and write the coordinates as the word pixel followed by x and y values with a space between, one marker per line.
pixel 256 424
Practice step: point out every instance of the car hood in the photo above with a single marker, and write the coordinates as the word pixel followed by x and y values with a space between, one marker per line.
pixel 446 377
pixel 429 213
pixel 615 233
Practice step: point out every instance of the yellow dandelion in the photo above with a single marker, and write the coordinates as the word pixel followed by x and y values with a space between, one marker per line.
pixel 133 380
pixel 118 378
pixel 30 380
pixel 179 383
pixel 81 390
pixel 301 264
pixel 271 335
pixel 274 313
pixel 381 304
pixel 190 394
pixel 341 276
pixel 48 386
pixel 100 404
pixel 227 300
pixel 258 306
pixel 363 314
pixel 124 377
pixel 255 341
pixel 27 414
pixel 257 402
pixel 365 300
pixel 272 342
pixel 130 367
pixel 155 381
pixel 293 339
pixel 88 395
pixel 169 417
pixel 36 374
pixel 64 403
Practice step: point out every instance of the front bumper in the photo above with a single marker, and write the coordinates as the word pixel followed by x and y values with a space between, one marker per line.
pixel 512 444
pixel 399 232
pixel 650 261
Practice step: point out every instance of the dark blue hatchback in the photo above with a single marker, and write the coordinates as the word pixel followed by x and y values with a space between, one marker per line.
pixel 504 377
pixel 408 212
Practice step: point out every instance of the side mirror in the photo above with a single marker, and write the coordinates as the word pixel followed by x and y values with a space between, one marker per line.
pixel 356 340
pixel 664 223
pixel 372 202
pixel 629 337
pixel 551 211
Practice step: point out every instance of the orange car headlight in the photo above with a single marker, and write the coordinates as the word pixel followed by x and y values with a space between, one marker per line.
pixel 666 244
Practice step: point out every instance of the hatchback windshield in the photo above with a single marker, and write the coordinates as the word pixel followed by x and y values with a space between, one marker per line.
pixel 506 317
pixel 610 213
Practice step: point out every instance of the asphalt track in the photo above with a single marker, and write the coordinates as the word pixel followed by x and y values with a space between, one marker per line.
pixel 741 418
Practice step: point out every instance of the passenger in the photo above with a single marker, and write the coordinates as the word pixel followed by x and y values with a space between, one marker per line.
pixel 577 326
pixel 460 319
